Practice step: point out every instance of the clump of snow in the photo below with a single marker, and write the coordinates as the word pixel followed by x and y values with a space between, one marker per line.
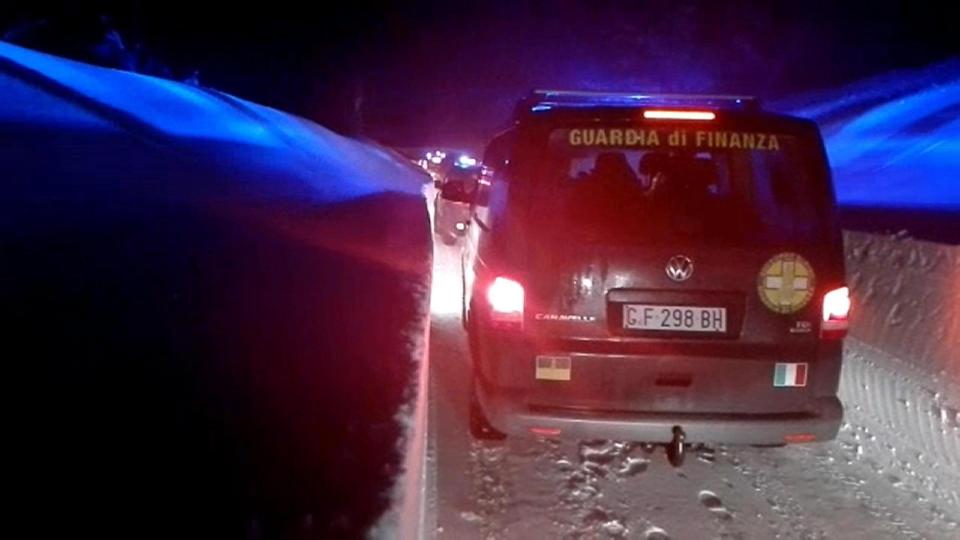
pixel 655 533
pixel 633 466
pixel 712 502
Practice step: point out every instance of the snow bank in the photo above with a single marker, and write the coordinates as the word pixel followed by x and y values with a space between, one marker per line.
pixel 901 374
pixel 903 421
pixel 216 310
pixel 894 140
pixel 908 295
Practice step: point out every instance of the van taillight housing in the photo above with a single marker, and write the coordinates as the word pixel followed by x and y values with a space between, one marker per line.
pixel 505 297
pixel 836 313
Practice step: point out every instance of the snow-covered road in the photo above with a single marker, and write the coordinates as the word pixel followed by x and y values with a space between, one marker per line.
pixel 892 472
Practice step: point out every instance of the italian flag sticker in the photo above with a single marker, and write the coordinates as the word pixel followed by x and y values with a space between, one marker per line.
pixel 790 375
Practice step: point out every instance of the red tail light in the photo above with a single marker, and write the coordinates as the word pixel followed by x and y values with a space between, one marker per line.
pixel 799 438
pixel 506 300
pixel 836 312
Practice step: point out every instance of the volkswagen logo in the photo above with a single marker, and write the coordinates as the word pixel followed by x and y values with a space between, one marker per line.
pixel 679 268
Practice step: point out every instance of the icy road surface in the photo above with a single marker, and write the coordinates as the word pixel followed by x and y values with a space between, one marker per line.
pixel 893 472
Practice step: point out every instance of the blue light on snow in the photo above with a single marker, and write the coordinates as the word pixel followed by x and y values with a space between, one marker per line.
pixel 271 153
pixel 903 151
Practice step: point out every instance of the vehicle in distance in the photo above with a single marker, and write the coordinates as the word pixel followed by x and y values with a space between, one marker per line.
pixel 454 202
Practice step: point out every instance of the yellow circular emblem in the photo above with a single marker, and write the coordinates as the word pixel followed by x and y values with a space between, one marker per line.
pixel 786 283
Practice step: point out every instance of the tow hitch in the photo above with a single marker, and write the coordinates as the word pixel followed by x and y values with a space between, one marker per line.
pixel 676 449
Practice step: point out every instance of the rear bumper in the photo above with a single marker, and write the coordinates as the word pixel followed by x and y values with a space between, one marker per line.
pixel 512 416
pixel 640 394
pixel 446 219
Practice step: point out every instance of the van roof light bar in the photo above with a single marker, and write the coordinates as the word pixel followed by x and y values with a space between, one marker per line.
pixel 540 100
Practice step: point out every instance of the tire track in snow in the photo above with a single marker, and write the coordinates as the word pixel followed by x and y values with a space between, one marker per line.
pixel 912 425
pixel 489 490
pixel 838 472
pixel 791 517
pixel 581 506
pixel 595 490
pixel 613 489
pixel 821 491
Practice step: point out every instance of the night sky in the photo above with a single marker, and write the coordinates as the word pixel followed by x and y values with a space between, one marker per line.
pixel 411 73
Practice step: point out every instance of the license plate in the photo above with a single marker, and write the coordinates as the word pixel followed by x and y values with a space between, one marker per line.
pixel 674 318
